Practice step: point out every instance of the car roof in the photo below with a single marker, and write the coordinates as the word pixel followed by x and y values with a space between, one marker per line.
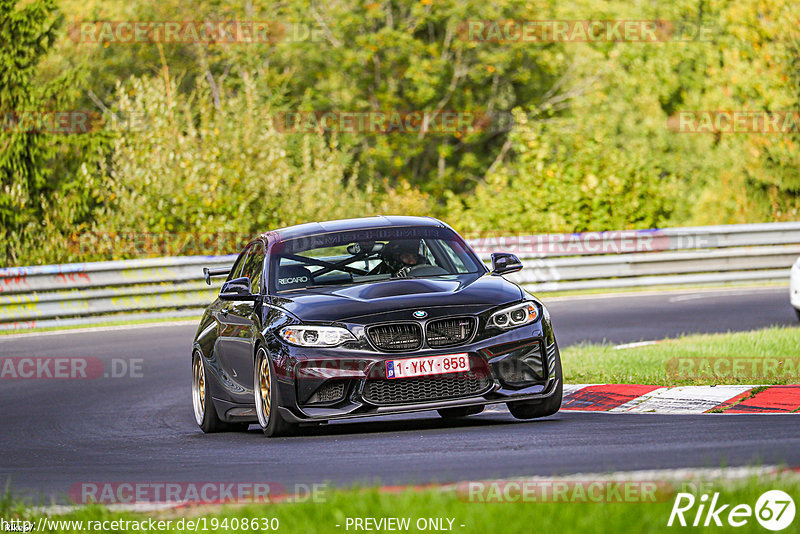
pixel 341 225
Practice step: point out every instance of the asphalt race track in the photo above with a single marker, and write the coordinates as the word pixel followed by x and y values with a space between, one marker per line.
pixel 59 433
pixel 624 319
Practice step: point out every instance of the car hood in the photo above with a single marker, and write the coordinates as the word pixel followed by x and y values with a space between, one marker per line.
pixel 475 292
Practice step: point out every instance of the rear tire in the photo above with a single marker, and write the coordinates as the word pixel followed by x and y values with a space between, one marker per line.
pixel 205 414
pixel 461 411
pixel 265 391
pixel 544 407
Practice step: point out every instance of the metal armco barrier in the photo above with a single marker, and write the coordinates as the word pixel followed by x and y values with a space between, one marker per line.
pixel 639 258
pixel 53 295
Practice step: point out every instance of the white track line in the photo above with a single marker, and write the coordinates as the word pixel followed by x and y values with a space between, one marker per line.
pixel 11 337
pixel 682 298
pixel 637 344
pixel 663 292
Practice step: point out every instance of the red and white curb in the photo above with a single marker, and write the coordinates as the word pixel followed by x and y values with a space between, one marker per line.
pixel 637 398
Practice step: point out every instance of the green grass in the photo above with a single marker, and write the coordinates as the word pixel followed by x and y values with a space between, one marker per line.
pixel 524 517
pixel 768 356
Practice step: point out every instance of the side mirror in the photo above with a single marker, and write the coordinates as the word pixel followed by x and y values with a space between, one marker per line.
pixel 237 289
pixel 504 263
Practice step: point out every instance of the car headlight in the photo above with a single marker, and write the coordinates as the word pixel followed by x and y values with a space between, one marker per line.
pixel 514 316
pixel 316 336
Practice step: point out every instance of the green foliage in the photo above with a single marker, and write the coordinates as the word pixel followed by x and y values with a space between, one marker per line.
pixel 750 177
pixel 187 165
pixel 591 146
pixel 46 182
pixel 571 175
pixel 413 56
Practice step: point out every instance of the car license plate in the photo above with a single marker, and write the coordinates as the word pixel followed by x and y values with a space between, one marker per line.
pixel 429 365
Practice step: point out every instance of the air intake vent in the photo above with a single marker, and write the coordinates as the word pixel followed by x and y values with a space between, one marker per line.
pixel 328 392
pixel 412 390
pixel 450 332
pixel 396 337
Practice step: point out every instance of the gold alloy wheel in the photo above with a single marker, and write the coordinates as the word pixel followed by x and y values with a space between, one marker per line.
pixel 199 390
pixel 264 389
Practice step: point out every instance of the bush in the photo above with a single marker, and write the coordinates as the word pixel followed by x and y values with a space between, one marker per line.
pixel 213 162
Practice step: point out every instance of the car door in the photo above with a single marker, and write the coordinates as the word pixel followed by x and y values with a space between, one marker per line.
pixel 226 347
pixel 240 324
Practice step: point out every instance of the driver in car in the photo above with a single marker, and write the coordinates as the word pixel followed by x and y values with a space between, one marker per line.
pixel 409 258
pixel 399 257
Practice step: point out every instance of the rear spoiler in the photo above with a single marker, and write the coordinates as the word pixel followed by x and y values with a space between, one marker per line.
pixel 208 274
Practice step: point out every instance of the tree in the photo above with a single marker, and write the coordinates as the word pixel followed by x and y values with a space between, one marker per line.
pixel 45 183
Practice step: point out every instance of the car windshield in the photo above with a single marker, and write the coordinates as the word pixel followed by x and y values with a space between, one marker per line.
pixel 369 255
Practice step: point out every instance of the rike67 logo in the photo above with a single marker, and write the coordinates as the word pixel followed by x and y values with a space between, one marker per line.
pixel 774 510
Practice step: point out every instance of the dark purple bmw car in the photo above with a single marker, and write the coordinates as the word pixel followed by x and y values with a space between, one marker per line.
pixel 371 316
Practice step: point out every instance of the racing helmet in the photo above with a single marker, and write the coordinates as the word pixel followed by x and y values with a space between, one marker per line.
pixel 396 251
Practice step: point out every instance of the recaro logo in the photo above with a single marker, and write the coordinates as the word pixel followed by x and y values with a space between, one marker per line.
pixel 774 511
pixel 293 280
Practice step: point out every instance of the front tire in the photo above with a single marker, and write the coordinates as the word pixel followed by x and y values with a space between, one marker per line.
pixel 265 390
pixel 205 414
pixel 541 408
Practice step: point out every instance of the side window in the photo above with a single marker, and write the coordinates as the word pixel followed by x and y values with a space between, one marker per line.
pixel 236 270
pixel 455 252
pixel 426 253
pixel 254 268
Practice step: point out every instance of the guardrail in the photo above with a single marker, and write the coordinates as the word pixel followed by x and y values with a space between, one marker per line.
pixel 53 295
pixel 75 293
pixel 637 258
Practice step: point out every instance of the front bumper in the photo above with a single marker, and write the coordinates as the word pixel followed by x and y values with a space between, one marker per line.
pixel 545 392
pixel 307 372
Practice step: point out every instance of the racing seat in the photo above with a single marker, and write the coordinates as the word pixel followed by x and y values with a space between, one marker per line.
pixel 293 277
